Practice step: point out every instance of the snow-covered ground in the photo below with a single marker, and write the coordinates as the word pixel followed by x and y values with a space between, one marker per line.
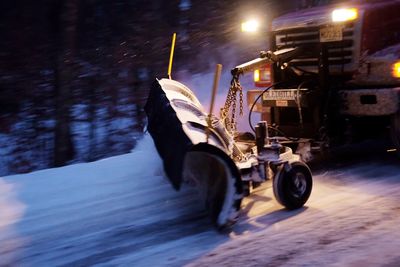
pixel 121 211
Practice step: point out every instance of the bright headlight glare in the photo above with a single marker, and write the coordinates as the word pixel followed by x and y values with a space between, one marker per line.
pixel 250 26
pixel 344 14
pixel 396 69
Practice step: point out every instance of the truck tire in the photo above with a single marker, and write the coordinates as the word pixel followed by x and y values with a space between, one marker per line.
pixel 218 182
pixel 293 188
pixel 395 131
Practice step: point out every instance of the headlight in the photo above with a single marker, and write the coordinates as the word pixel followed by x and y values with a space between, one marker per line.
pixel 250 26
pixel 396 69
pixel 344 14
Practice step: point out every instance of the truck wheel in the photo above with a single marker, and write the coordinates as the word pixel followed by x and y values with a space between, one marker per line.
pixel 218 182
pixel 395 131
pixel 293 188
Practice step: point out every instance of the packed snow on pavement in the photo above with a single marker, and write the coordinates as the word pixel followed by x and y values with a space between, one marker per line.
pixel 122 211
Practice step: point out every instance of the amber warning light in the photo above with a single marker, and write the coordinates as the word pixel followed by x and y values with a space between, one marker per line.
pixel 262 77
pixel 396 69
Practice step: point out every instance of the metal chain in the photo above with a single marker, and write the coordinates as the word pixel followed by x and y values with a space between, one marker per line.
pixel 233 119
pixel 231 102
pixel 241 100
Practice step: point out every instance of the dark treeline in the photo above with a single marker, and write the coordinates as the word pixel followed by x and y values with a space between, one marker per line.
pixel 74 74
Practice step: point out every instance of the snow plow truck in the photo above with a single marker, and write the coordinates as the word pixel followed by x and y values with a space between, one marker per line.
pixel 331 76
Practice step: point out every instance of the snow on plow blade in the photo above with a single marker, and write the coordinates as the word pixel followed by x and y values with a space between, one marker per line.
pixel 177 124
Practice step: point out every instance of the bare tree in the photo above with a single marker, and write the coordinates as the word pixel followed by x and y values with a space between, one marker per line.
pixel 64 69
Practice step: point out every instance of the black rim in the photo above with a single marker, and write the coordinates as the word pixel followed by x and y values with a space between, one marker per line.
pixel 298 184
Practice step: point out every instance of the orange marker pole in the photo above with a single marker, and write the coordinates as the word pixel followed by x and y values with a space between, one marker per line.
pixel 171 55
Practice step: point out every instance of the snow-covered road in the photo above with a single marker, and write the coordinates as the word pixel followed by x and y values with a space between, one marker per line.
pixel 122 212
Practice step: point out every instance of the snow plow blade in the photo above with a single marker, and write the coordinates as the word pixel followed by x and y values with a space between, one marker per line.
pixel 177 124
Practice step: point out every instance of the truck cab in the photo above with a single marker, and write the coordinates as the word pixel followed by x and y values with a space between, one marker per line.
pixel 344 82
